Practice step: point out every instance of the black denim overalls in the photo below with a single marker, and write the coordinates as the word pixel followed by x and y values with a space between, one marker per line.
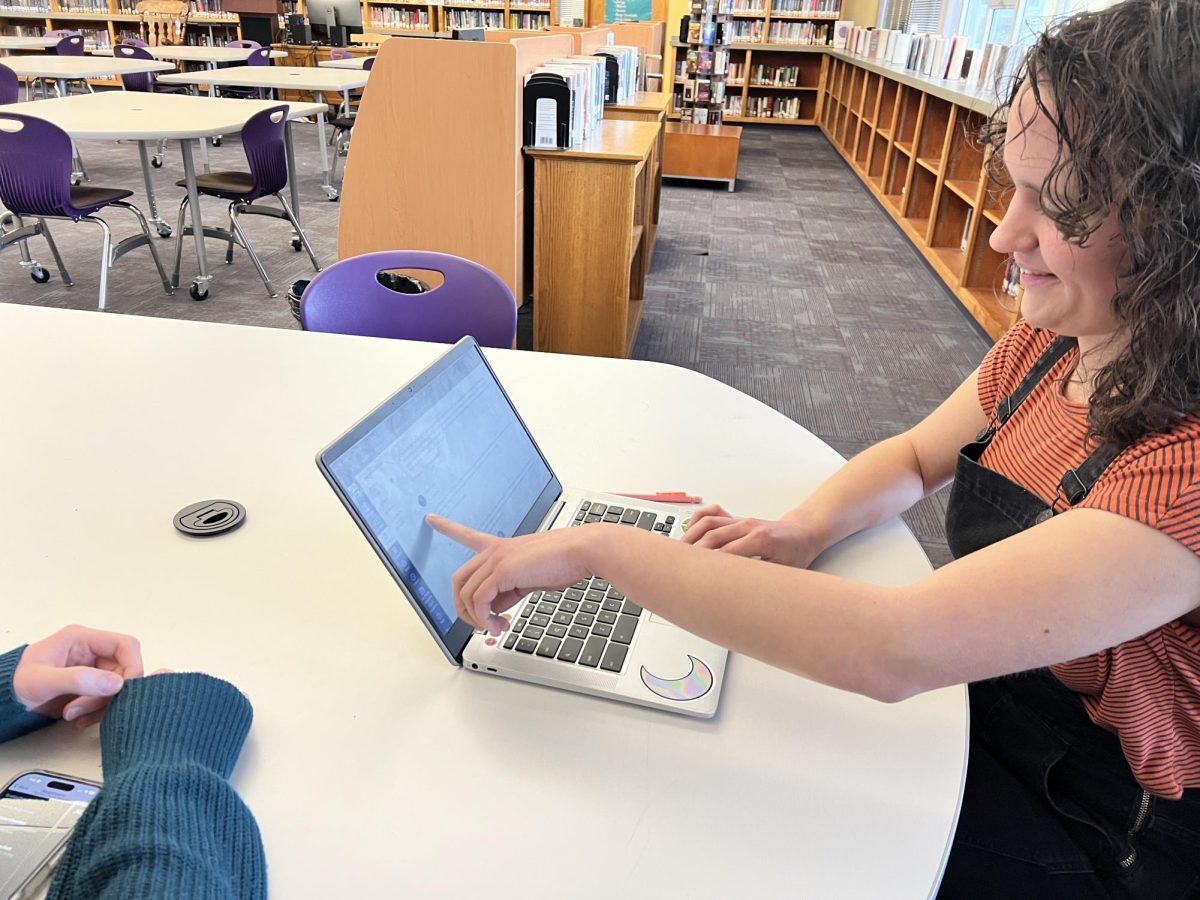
pixel 1051 808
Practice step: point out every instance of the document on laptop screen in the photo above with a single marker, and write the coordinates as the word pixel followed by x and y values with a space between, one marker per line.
pixel 455 447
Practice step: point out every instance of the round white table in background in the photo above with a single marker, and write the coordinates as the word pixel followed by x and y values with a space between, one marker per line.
pixel 77 68
pixel 8 43
pixel 210 56
pixel 374 767
pixel 292 78
pixel 354 62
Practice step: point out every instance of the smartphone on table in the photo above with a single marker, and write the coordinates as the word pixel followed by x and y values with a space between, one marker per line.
pixel 37 812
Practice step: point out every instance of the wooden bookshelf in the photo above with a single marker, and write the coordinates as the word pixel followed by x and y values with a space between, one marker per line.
pixel 589 282
pixel 767 23
pixel 647 106
pixel 752 94
pixel 917 151
pixel 400 17
pixel 506 15
pixel 436 160
pixel 106 23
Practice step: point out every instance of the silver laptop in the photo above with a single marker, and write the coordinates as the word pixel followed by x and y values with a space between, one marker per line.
pixel 450 442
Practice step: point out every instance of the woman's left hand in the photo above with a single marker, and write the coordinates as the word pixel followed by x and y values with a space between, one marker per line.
pixel 73 673
pixel 504 570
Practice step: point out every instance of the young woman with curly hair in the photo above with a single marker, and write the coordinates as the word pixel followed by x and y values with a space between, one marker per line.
pixel 1074 514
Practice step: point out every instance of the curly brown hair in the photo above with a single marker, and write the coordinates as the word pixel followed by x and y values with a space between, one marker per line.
pixel 1121 88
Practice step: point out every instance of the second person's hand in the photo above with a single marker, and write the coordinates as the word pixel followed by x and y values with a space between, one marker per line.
pixel 790 542
pixel 74 672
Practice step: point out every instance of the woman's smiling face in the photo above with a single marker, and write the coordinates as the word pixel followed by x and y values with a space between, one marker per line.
pixel 1068 288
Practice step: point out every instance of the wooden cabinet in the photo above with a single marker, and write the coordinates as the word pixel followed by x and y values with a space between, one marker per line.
pixel 593 229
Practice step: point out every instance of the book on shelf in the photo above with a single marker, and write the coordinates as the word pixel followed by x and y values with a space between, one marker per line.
pixel 563 102
pixel 841 33
pixel 627 61
pixel 957 52
pixel 590 85
pixel 901 48
pixel 967 69
pixel 720 61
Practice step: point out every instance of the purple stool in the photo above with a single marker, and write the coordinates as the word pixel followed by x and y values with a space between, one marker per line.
pixel 350 298
pixel 35 180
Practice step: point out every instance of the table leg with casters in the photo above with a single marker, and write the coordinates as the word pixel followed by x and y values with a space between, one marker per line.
pixel 163 229
pixel 330 191
pixel 199 288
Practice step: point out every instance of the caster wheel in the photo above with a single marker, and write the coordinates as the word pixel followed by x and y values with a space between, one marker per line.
pixel 39 274
pixel 157 162
pixel 296 244
pixel 76 181
pixel 197 294
pixel 216 142
pixel 164 231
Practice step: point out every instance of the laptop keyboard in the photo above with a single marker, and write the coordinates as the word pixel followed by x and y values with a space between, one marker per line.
pixel 590 623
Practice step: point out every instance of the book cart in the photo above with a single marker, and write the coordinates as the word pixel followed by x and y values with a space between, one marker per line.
pixel 915 148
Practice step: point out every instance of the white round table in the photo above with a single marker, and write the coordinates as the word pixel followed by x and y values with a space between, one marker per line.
pixel 374 767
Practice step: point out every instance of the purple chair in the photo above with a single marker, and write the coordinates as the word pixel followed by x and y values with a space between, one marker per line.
pixel 35 180
pixel 259 56
pixel 339 53
pixel 10 92
pixel 59 33
pixel 10 85
pixel 352 297
pixel 71 45
pixel 243 44
pixel 343 126
pixel 134 42
pixel 262 139
pixel 146 82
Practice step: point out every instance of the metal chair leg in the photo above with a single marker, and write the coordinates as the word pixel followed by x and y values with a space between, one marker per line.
pixel 145 226
pixel 229 249
pixel 245 242
pixel 287 210
pixel 179 242
pixel 105 257
pixel 62 270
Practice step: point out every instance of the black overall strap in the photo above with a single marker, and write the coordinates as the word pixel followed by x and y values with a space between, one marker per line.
pixel 1077 483
pixel 1045 363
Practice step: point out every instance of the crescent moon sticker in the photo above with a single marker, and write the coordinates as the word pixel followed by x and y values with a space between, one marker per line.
pixel 692 686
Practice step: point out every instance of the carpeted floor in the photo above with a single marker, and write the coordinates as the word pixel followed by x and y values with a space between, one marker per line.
pixel 796 289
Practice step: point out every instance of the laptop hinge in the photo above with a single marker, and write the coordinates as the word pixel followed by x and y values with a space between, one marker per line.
pixel 552 515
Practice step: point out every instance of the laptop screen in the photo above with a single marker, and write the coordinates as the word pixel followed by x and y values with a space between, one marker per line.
pixel 450 442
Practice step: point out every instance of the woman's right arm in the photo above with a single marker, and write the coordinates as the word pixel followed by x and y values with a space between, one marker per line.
pixel 876 485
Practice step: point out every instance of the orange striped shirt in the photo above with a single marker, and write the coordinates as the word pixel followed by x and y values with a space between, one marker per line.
pixel 1146 690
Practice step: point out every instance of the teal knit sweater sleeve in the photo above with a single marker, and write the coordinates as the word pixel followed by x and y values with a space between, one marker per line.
pixel 167 823
pixel 14 719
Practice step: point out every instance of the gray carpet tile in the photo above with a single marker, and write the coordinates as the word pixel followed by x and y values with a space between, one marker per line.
pixel 797 288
